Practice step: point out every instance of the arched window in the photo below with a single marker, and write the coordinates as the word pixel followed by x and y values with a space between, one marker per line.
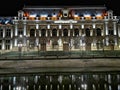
pixel 32 32
pixel 98 32
pixel 76 32
pixel 43 32
pixel 54 32
pixel 87 32
pixel 65 32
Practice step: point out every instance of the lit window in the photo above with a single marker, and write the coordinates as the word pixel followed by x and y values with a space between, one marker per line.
pixel 87 16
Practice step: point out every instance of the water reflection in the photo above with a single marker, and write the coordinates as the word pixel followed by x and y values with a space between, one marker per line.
pixel 61 81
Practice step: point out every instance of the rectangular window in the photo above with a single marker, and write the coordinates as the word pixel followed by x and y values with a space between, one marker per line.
pixel 20 32
pixel 7 41
pixel 7 47
pixel 0 41
pixel 111 32
pixel 8 32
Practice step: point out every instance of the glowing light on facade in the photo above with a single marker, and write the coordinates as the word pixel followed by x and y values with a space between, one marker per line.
pixel 65 21
pixel 82 26
pixel 34 15
pixel 87 15
pixel 75 15
pixel 44 15
pixel 48 26
pixel 54 15
pixel 98 15
pixel 37 26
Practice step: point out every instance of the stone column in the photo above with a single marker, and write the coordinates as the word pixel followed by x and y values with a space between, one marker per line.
pixel 1 87
pixel 48 26
pixel 69 32
pixel 11 33
pixel 3 32
pixel 82 26
pixel 3 45
pixel 106 28
pixel 9 87
pixel 115 28
pixel 15 42
pixel 58 32
pixel 115 41
pixel 51 33
pixel 10 44
pixel 71 26
pixel 80 32
pixel 60 26
pixel 102 33
pixel 35 32
pixel 62 32
pixel 119 31
pixel 24 30
pixel 16 29
pixel 40 33
pixel 73 33
pixel 91 32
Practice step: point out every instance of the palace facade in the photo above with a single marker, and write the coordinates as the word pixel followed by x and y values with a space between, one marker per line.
pixel 60 28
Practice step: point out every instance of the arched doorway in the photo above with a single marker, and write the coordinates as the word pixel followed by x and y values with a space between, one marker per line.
pixel 54 32
pixel 55 45
pixel 32 39
pixel 111 44
pixel 87 32
pixel 99 44
pixel 43 32
pixel 65 32
pixel 32 32
pixel 76 32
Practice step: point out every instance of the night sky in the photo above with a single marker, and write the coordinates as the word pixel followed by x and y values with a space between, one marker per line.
pixel 10 7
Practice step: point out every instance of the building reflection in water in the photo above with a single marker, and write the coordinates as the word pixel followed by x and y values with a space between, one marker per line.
pixel 61 81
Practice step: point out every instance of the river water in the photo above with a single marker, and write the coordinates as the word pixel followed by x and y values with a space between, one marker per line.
pixel 61 81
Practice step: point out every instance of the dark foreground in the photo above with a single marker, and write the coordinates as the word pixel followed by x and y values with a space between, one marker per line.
pixel 61 81
pixel 60 74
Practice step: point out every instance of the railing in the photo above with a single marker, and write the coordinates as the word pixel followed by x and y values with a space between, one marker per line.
pixel 60 54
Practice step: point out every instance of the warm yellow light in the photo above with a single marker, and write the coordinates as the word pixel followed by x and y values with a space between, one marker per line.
pixel 31 18
pixel 42 18
pixel 99 16
pixel 77 18
pixel 54 18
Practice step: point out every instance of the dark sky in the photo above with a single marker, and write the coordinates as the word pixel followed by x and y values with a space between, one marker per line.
pixel 10 7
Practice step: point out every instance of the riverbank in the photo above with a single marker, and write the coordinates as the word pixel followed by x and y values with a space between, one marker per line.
pixel 59 65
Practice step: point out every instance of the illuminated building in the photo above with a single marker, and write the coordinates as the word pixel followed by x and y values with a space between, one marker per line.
pixel 60 28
